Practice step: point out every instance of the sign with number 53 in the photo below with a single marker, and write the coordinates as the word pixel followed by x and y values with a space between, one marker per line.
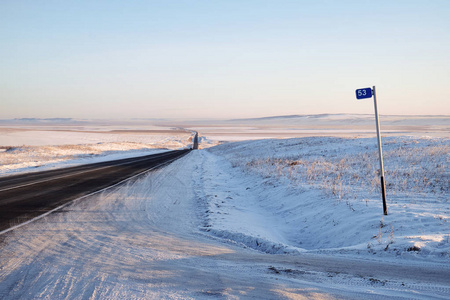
pixel 363 93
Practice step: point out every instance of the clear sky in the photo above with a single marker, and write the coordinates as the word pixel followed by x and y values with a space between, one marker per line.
pixel 222 59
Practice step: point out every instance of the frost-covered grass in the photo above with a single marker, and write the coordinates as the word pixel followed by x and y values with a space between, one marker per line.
pixel 409 169
pixel 323 194
pixel 412 166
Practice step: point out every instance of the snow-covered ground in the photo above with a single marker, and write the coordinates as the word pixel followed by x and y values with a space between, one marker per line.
pixel 26 150
pixel 338 125
pixel 322 195
pixel 149 239
pixel 266 219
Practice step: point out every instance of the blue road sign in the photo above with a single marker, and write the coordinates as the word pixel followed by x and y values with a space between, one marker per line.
pixel 363 93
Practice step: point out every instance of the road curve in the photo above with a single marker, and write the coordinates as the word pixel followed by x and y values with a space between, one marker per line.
pixel 23 197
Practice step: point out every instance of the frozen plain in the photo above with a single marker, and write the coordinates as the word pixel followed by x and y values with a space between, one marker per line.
pixel 255 219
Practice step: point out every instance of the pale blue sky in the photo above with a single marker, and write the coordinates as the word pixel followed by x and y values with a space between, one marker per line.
pixel 222 59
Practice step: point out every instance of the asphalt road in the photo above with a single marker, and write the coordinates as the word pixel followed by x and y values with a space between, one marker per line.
pixel 23 197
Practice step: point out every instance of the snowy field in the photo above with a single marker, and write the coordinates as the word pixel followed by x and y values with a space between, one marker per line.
pixel 26 148
pixel 322 194
pixel 338 125
pixel 279 218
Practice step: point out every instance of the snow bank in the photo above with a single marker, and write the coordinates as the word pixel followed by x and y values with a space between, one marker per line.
pixel 322 195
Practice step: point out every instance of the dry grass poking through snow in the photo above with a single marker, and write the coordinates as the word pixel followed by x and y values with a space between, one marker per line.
pixel 327 191
pixel 411 167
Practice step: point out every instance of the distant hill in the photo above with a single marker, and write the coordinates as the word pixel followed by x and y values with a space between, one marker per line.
pixel 303 117
pixel 342 119
pixel 41 121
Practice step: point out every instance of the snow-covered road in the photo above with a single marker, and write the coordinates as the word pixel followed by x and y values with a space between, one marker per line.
pixel 147 240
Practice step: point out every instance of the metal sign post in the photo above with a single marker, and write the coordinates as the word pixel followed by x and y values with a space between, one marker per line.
pixel 367 93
